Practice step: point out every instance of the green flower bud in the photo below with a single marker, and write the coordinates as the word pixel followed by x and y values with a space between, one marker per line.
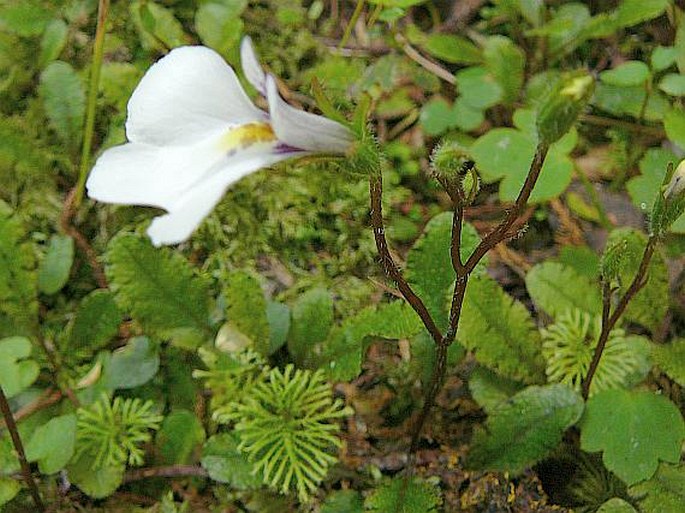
pixel 563 105
pixel 450 160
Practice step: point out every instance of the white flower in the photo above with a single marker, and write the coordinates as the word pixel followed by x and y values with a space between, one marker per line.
pixel 193 132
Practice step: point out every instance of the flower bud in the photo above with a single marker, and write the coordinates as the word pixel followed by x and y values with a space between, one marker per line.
pixel 563 105
pixel 450 160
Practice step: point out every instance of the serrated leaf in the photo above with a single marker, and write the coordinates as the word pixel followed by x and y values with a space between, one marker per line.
pixel 225 464
pixel 53 271
pixel 311 321
pixel 53 41
pixel 650 304
pixel 671 359
pixel 219 25
pixel 524 429
pixel 343 351
pixel 489 390
pixel 629 73
pixel 18 290
pixel 52 444
pixel 429 263
pixel 247 308
pixel 664 492
pixel 343 501
pixel 556 288
pixel 180 434
pixel 644 429
pixel 64 100
pixel 96 322
pixel 27 18
pixel 132 365
pixel 16 371
pixel 500 332
pixel 400 496
pixel 506 62
pixel 452 48
pixel 632 12
pixel 158 287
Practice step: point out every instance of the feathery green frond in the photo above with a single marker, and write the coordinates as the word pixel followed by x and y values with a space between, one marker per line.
pixel 401 495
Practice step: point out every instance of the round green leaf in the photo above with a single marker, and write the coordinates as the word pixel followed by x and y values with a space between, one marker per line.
pixel 16 373
pixel 629 73
pixel 674 124
pixel 53 271
pixel 132 365
pixel 225 464
pixel 673 84
pixel 52 444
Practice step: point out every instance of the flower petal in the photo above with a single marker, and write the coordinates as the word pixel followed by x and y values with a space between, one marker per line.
pixel 186 95
pixel 187 214
pixel 251 67
pixel 303 130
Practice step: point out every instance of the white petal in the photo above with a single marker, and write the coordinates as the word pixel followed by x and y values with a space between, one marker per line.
pixel 303 130
pixel 143 174
pixel 251 67
pixel 189 211
pixel 185 95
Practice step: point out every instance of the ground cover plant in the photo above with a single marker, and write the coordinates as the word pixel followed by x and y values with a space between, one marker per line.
pixel 342 256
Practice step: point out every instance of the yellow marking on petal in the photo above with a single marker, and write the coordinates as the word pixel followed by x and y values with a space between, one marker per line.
pixel 244 136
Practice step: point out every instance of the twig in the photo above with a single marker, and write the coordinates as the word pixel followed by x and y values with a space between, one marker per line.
pixel 169 471
pixel 609 320
pixel 422 61
pixel 610 122
pixel 19 448
pixel 47 398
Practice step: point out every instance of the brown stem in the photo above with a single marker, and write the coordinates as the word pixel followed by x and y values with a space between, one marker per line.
pixel 169 471
pixel 19 447
pixel 501 233
pixel 609 320
pixel 388 263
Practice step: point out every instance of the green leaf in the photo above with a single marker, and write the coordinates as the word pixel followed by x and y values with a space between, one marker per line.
pixel 399 496
pixel 619 100
pixel 629 73
pixel 53 41
pixel 467 117
pixel 616 505
pixel 53 271
pixel 644 429
pixel 26 18
pixel 52 444
pixel 436 117
pixel 500 332
pixel 632 12
pixel 157 286
pixel 429 263
pixel 664 492
pixel 278 315
pixel 219 25
pixel 344 348
pixel 489 389
pixel 64 100
pixel 96 322
pixel 663 57
pixel 16 372
pixel 644 188
pixel 180 434
pixel 96 482
pixel 673 84
pixel 404 4
pixel 132 365
pixel 525 429
pixel 343 501
pixel 225 464
pixel 650 304
pixel 506 62
pixel 506 153
pixel 674 124
pixel 9 488
pixel 157 25
pixel 671 359
pixel 478 88
pixel 247 308
pixel 556 288
pixel 453 49
pixel 312 318
pixel 18 291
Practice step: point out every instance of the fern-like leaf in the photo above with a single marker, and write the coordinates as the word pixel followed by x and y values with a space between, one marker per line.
pixel 500 332
pixel 671 359
pixel 287 428
pixel 157 286
pixel 404 496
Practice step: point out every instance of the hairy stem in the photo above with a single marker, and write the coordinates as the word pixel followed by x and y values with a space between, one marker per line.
pixel 19 448
pixel 609 319
pixel 98 49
